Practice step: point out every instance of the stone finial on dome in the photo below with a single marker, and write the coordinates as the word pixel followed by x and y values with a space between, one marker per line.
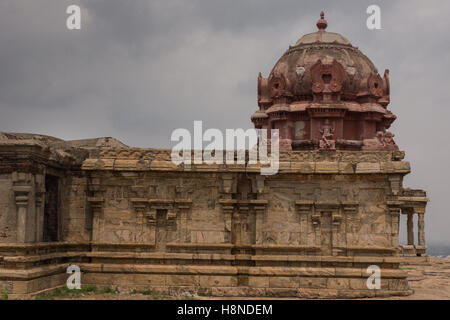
pixel 322 23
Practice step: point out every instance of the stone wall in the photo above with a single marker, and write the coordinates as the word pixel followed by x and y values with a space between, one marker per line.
pixel 130 218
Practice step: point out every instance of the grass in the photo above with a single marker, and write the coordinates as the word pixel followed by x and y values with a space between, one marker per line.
pixel 107 290
pixel 4 295
pixel 156 296
pixel 66 292
pixel 407 268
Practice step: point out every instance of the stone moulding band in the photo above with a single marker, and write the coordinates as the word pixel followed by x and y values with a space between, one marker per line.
pixel 26 257
pixel 306 206
pixel 26 270
pixel 40 271
pixel 301 167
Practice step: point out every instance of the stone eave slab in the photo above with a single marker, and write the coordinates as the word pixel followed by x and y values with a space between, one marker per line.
pixel 285 167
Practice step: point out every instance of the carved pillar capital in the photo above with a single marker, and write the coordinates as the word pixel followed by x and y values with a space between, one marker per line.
pixel 304 206
pixel 21 195
pixel 258 184
pixel 96 203
pixel 228 184
pixel 154 205
pixel 227 205
pixel 315 218
pixel 394 207
pixel 139 204
pixel 151 216
pixel 350 207
pixel 396 183
pixel 336 218
pixel 182 204
pixel 258 206
pixel 39 197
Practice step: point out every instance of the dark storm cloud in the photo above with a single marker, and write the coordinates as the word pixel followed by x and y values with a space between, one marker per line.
pixel 139 69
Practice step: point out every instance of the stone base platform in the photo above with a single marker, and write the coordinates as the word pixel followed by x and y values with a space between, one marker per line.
pixel 31 269
pixel 416 261
pixel 213 285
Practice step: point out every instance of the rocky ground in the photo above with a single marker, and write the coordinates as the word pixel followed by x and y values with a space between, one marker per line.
pixel 429 282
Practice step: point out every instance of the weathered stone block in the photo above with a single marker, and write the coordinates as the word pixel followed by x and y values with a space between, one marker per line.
pixel 283 282
pixel 312 283
pixel 338 283
pixel 327 167
pixel 218 281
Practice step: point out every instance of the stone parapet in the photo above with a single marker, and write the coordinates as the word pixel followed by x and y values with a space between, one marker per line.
pixel 343 162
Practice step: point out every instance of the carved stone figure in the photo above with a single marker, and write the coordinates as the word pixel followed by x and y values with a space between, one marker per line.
pixel 326 141
pixel 388 141
pixel 382 141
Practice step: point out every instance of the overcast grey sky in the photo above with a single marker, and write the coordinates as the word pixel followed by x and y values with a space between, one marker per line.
pixel 137 70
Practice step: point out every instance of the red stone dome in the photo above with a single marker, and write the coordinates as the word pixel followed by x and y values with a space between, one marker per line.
pixel 323 78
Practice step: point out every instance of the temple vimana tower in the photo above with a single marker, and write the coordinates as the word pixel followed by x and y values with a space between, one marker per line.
pixel 132 219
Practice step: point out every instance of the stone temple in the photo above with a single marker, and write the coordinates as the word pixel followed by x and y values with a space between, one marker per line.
pixel 132 219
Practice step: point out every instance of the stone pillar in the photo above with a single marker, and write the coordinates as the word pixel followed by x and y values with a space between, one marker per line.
pixel 227 202
pixel 239 226
pixel 183 206
pixel 228 210
pixel 315 219
pixel 40 206
pixel 161 225
pixel 140 206
pixel 259 206
pixel 421 229
pixel 350 211
pixel 23 188
pixel 410 229
pixel 394 210
pixel 21 197
pixel 304 209
pixel 98 220
pixel 337 233
pixel 96 202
